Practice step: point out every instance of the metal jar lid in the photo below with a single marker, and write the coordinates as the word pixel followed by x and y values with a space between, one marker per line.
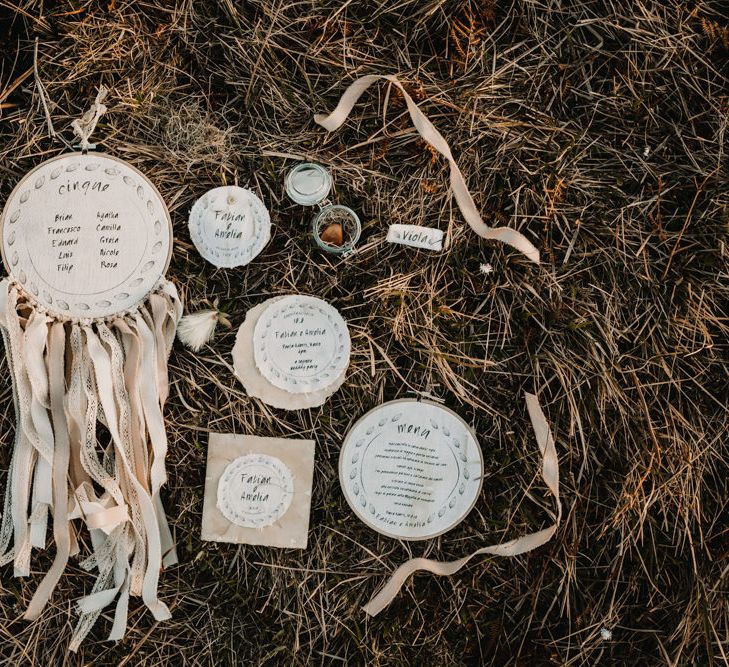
pixel 308 184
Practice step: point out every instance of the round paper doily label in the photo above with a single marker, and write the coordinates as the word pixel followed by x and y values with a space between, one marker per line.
pixel 229 226
pixel 411 469
pixel 301 344
pixel 86 236
pixel 255 490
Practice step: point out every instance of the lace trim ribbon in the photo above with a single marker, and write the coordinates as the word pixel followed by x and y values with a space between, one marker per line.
pixel 67 378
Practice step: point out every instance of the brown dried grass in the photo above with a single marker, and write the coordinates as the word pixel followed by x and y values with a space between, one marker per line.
pixel 599 130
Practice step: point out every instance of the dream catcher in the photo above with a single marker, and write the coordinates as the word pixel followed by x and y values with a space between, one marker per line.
pixel 88 320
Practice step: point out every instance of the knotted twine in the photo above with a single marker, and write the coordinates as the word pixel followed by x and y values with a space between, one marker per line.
pixel 83 127
pixel 545 440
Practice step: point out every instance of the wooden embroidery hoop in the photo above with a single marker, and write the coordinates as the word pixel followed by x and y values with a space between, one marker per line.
pixel 344 459
pixel 133 190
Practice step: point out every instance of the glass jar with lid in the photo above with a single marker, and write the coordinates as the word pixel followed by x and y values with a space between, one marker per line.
pixel 336 228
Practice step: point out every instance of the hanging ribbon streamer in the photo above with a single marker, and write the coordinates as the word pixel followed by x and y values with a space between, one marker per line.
pixel 550 475
pixel 67 377
pixel 428 131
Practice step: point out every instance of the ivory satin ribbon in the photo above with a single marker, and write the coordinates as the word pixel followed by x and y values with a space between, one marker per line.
pixel 520 545
pixel 550 466
pixel 428 131
pixel 67 377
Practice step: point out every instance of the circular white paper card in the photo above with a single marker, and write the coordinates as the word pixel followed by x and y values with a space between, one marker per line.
pixel 411 469
pixel 255 490
pixel 301 344
pixel 86 236
pixel 229 226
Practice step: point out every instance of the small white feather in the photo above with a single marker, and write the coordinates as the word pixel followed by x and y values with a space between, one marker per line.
pixel 197 329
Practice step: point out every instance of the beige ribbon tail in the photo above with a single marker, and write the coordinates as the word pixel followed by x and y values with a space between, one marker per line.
pixel 61 526
pixel 550 475
pixel 430 133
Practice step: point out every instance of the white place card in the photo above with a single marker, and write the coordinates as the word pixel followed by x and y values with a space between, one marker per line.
pixel 229 226
pixel 416 236
pixel 258 490
pixel 255 490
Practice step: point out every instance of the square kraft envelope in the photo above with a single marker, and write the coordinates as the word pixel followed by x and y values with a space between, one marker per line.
pixel 254 470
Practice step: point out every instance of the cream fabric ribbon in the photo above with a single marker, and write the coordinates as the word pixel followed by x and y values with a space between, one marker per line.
pixel 550 475
pixel 67 377
pixel 428 131
pixel 98 514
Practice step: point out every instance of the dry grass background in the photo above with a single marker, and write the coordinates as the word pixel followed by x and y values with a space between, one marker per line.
pixel 597 128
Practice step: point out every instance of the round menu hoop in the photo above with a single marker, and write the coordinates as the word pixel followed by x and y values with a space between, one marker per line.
pixel 86 236
pixel 411 469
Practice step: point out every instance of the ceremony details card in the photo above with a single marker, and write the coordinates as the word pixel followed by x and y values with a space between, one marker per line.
pixel 258 490
pixel 301 344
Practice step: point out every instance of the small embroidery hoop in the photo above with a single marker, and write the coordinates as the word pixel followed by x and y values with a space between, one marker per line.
pixel 230 258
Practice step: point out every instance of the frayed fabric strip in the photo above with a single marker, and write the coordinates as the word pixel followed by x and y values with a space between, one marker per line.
pixel 67 378
pixel 550 475
pixel 428 131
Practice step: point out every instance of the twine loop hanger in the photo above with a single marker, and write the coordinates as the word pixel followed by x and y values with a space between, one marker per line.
pixel 83 127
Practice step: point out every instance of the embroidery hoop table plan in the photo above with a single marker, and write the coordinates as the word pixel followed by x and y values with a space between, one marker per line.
pixel 301 344
pixel 86 236
pixel 411 469
pixel 229 226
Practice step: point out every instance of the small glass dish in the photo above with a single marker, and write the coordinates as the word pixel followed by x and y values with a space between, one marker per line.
pixel 336 228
